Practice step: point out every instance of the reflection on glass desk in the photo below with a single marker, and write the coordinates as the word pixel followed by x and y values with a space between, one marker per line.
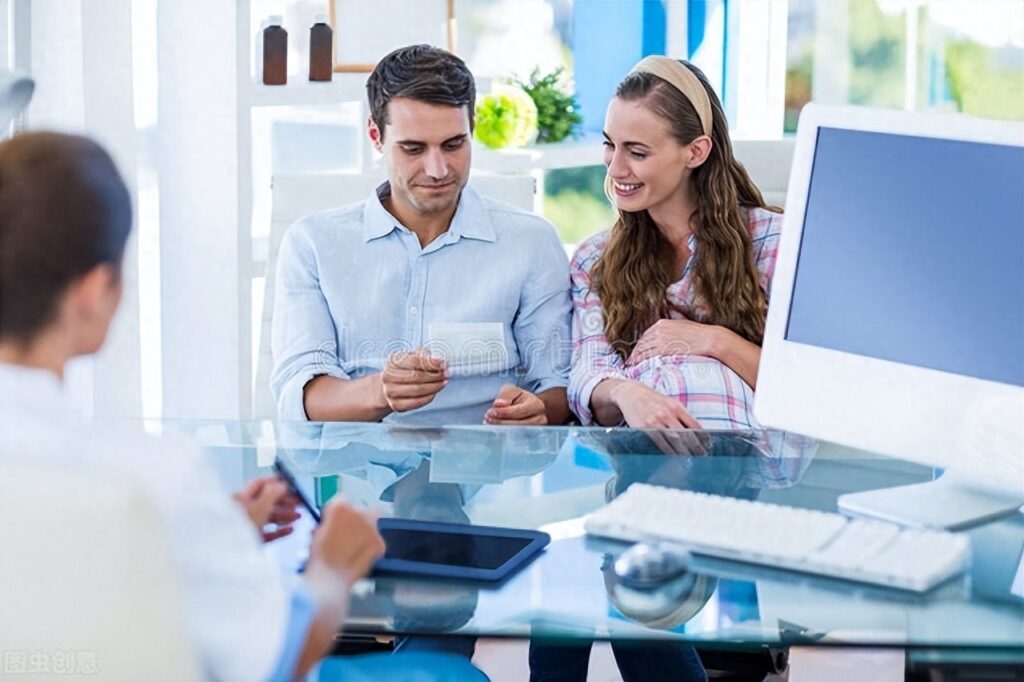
pixel 551 478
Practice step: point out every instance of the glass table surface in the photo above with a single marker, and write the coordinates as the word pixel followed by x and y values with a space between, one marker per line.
pixel 550 478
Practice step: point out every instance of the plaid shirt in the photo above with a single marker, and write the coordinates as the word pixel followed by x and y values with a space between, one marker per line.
pixel 713 393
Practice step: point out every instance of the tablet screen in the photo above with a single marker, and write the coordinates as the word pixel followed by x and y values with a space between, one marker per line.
pixel 451 549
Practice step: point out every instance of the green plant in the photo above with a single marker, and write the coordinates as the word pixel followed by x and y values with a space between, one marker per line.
pixel 557 112
pixel 982 88
pixel 507 118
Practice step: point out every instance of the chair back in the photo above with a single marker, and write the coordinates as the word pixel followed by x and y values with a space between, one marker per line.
pixel 87 589
pixel 768 163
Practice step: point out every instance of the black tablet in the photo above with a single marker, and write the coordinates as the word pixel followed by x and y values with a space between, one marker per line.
pixel 455 550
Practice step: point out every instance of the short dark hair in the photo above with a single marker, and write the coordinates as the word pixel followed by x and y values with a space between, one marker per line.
pixel 64 210
pixel 424 73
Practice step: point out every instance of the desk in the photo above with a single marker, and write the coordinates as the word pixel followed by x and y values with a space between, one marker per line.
pixel 550 478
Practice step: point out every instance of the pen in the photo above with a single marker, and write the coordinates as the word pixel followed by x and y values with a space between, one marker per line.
pixel 287 477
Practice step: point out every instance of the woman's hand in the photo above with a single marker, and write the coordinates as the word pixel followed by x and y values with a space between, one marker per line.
pixel 645 408
pixel 346 542
pixel 675 337
pixel 267 500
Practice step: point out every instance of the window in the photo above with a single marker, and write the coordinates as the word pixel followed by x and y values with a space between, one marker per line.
pixel 510 38
pixel 914 54
pixel 574 201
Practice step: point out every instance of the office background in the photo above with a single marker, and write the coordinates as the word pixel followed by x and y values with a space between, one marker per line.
pixel 170 89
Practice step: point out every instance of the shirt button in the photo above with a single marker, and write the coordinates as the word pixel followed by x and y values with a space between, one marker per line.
pixel 413 310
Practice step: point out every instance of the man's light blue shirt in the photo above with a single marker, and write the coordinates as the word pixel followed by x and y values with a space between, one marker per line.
pixel 354 286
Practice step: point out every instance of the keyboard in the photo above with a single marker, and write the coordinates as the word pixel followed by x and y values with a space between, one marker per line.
pixel 804 540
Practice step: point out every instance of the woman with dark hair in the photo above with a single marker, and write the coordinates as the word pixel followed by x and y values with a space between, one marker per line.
pixel 65 216
pixel 669 306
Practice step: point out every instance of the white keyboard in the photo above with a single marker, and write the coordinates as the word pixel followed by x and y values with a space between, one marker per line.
pixel 785 537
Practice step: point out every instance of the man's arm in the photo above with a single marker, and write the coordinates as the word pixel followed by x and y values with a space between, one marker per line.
pixel 308 379
pixel 409 381
pixel 327 399
pixel 542 326
pixel 303 336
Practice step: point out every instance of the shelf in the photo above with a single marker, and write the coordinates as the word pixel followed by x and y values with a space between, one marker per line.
pixel 587 150
pixel 299 92
pixel 346 87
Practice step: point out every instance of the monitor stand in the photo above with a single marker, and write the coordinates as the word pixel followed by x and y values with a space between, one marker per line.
pixel 950 502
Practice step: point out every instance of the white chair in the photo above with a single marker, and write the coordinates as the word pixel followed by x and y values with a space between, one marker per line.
pixel 768 163
pixel 86 585
pixel 298 194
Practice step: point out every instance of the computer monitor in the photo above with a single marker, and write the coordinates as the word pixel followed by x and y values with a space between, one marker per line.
pixel 896 319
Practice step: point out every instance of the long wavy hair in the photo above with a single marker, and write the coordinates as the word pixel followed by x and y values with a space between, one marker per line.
pixel 638 264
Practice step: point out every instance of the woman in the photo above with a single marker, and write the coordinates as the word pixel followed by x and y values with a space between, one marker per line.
pixel 65 217
pixel 669 306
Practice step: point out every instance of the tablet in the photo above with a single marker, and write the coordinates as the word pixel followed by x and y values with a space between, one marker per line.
pixel 455 550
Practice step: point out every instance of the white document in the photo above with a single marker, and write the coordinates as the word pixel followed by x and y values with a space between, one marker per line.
pixel 469 347
pixel 468 456
pixel 1017 587
pixel 834 664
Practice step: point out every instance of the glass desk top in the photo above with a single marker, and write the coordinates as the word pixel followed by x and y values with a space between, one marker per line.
pixel 550 478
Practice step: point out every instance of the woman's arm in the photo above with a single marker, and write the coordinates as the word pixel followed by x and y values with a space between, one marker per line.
pixel 594 361
pixel 615 401
pixel 736 353
pixel 345 546
pixel 603 405
pixel 685 337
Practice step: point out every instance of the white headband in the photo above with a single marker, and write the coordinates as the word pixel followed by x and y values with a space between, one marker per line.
pixel 684 80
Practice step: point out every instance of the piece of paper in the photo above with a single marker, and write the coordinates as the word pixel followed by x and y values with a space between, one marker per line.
pixel 816 664
pixel 469 347
pixel 468 457
pixel 1017 587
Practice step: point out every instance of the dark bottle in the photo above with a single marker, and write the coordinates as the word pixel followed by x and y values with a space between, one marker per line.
pixel 275 53
pixel 321 62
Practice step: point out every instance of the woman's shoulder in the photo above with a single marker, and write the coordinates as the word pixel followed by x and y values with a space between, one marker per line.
pixel 765 229
pixel 764 225
pixel 589 250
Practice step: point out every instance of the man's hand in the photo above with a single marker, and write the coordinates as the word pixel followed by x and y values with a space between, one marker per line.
pixel 411 380
pixel 346 542
pixel 515 406
pixel 267 500
pixel 675 337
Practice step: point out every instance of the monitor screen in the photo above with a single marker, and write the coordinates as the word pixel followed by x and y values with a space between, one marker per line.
pixel 913 251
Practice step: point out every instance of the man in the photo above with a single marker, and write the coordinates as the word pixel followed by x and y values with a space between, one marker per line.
pixel 427 303
pixel 65 216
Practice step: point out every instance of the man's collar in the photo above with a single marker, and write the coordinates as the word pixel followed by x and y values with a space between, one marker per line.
pixel 377 220
pixel 471 219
